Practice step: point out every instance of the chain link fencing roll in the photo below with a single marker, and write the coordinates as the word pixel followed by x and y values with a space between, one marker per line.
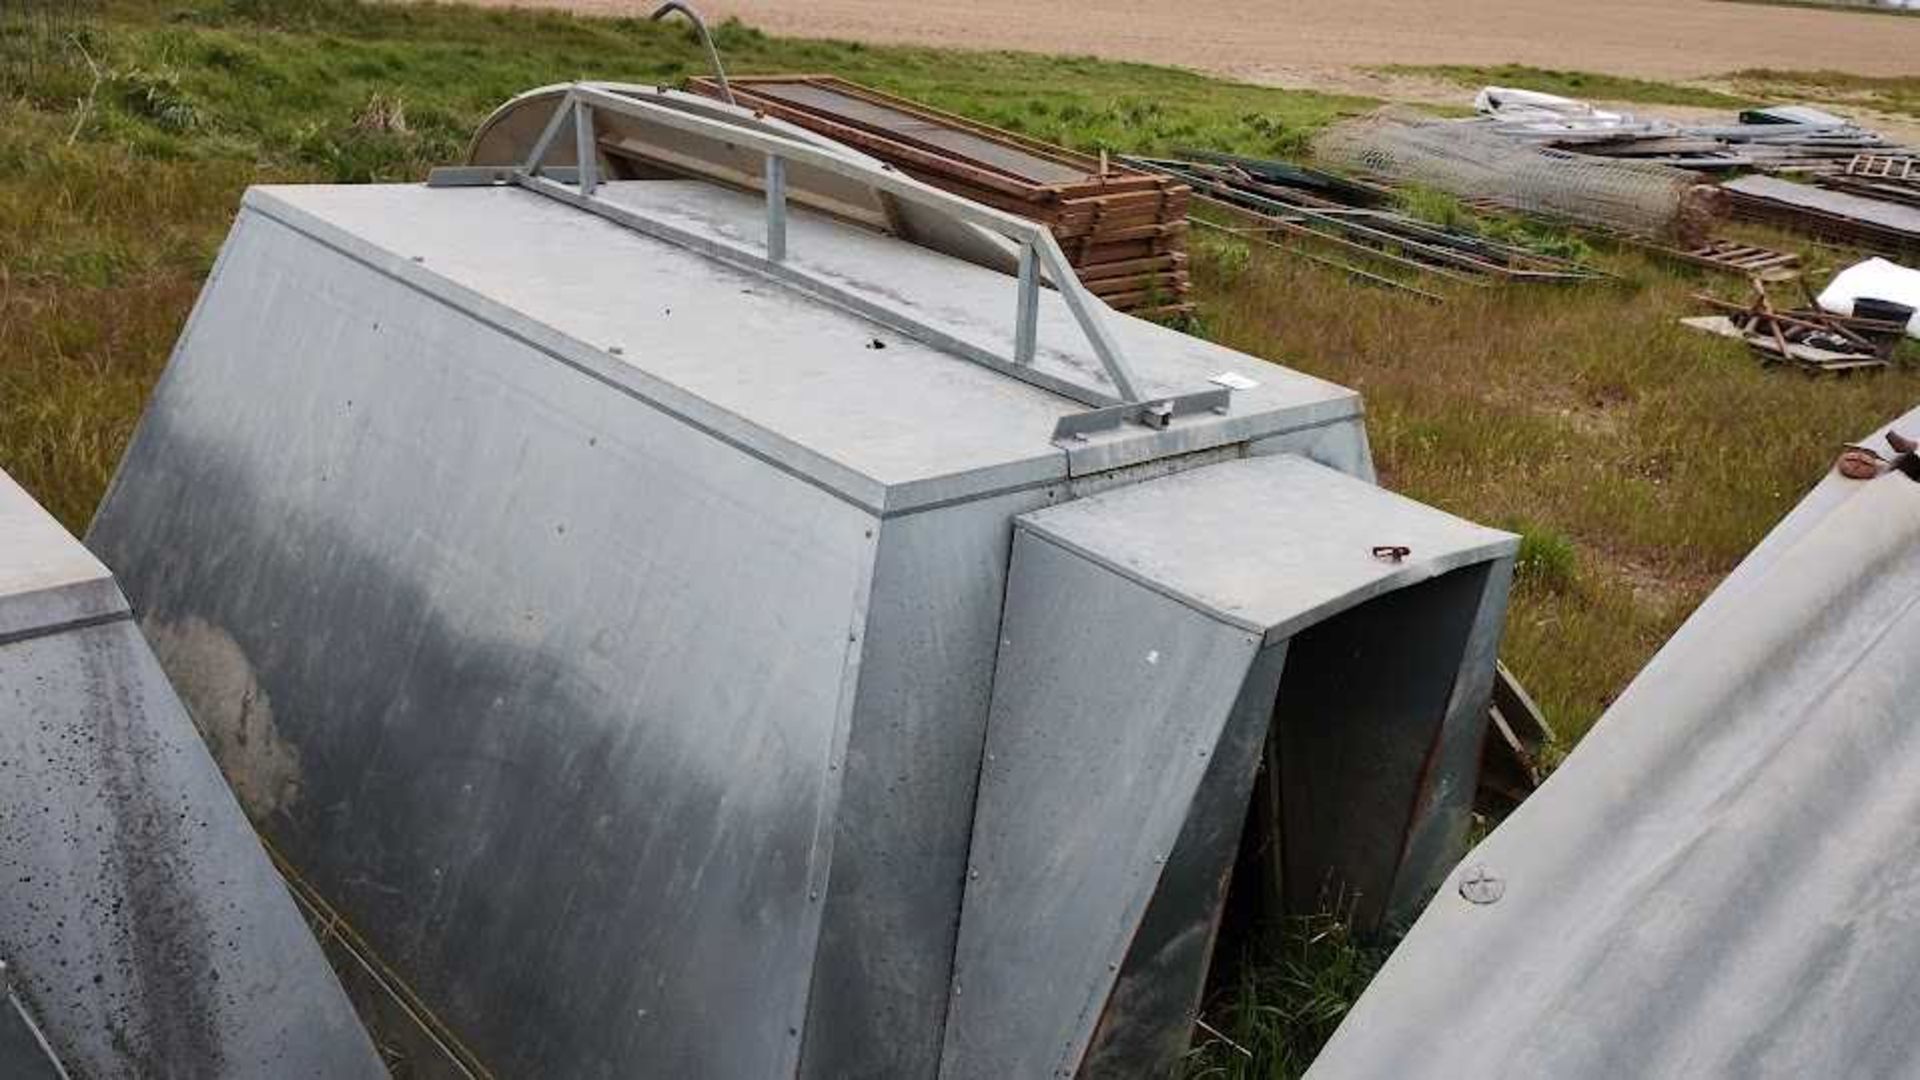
pixel 1471 159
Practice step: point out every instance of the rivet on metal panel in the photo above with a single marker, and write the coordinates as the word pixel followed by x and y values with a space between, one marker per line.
pixel 973 874
pixel 1480 886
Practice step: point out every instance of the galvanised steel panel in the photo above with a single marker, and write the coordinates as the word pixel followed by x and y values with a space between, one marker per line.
pixel 21 1055
pixel 1719 880
pixel 1103 837
pixel 1149 1013
pixel 141 924
pixel 140 919
pixel 1443 815
pixel 773 368
pixel 906 810
pixel 1270 543
pixel 1363 754
pixel 1109 701
pixel 544 688
pixel 46 578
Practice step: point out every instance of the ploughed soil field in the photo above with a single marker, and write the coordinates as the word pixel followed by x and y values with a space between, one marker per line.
pixel 1322 43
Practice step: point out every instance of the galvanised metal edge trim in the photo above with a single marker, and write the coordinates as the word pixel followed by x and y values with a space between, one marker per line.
pixel 1408 573
pixel 811 467
pixel 820 865
pixel 85 622
pixel 32 612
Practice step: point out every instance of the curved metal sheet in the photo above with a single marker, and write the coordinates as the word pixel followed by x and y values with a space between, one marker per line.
pixel 1718 881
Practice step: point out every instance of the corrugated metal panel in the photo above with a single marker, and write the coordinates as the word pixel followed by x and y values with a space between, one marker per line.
pixel 1718 881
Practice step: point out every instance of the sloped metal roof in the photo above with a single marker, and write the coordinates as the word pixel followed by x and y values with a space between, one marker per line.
pixel 1722 879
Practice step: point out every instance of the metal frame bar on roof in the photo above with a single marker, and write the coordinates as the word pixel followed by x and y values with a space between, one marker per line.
pixel 1041 257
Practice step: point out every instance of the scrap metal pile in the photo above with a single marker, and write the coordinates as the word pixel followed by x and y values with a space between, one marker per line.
pixel 1809 338
pixel 1124 230
pixel 1780 139
pixel 1334 220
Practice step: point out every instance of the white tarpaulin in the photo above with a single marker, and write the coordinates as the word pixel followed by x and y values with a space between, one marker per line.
pixel 1874 279
pixel 1723 879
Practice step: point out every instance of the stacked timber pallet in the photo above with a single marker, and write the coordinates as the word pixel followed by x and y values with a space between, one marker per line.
pixel 1124 230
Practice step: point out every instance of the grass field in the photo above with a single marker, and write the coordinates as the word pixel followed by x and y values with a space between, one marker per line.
pixel 1586 85
pixel 1639 461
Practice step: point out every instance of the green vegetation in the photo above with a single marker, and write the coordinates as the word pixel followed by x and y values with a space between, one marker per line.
pixel 1439 208
pixel 1644 459
pixel 1546 560
pixel 1894 93
pixel 1748 88
pixel 1577 84
pixel 1290 993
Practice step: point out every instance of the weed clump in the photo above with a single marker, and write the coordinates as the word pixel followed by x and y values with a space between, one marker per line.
pixel 1292 991
pixel 1546 561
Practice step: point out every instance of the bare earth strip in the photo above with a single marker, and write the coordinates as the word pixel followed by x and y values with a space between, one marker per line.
pixel 1319 43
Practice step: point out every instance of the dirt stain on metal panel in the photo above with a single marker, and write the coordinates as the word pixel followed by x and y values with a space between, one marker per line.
pixel 232 711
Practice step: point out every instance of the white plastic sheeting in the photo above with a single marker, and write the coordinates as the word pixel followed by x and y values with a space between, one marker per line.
pixel 1508 103
pixel 1723 879
pixel 1874 279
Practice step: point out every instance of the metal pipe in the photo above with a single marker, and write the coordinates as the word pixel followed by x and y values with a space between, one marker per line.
pixel 700 25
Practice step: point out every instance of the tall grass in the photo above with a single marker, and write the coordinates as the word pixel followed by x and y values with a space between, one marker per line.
pixel 1643 459
pixel 1289 992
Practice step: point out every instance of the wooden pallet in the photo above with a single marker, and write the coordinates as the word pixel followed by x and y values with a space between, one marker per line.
pixel 1747 260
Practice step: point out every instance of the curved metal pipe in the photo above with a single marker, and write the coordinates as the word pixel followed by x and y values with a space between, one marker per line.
pixel 713 54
